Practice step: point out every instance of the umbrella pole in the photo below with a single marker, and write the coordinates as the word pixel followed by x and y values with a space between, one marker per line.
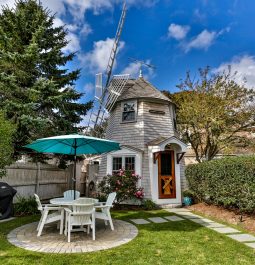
pixel 74 171
pixel 74 178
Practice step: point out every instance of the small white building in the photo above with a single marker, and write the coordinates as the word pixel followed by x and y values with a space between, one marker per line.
pixel 143 122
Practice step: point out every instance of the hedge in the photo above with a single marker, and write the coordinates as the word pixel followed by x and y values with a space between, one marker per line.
pixel 229 182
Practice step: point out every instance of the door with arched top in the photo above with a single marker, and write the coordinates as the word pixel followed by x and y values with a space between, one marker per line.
pixel 166 175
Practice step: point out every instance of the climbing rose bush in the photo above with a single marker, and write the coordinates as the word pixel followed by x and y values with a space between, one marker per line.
pixel 124 183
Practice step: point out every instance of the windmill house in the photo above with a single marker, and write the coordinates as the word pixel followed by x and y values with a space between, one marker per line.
pixel 142 120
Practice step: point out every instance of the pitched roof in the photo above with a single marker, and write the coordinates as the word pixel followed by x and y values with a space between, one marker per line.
pixel 141 88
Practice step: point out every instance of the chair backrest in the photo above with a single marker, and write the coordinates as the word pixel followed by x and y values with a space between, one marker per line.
pixel 111 198
pixel 70 194
pixel 39 205
pixel 86 210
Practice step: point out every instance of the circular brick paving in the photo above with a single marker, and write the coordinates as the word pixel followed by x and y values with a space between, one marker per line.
pixel 52 242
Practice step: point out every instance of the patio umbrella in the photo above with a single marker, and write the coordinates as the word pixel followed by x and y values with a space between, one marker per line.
pixel 73 144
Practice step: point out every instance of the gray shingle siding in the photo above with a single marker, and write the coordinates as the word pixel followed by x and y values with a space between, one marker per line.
pixel 148 126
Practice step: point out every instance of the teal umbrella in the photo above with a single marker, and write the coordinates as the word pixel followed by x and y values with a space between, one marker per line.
pixel 73 144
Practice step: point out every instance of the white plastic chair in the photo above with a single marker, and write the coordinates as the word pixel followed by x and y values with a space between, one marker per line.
pixel 69 194
pixel 105 207
pixel 47 217
pixel 82 214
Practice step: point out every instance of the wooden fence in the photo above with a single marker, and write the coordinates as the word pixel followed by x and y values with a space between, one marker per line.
pixel 48 181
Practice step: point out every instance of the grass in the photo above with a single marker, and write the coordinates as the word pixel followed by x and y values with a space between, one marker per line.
pixel 168 243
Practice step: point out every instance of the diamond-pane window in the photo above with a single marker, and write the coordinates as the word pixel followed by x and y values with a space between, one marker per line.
pixel 129 111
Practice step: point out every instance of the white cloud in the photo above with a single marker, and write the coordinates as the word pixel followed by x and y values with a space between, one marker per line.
pixel 244 66
pixel 199 15
pixel 73 43
pixel 139 3
pixel 89 88
pixel 86 30
pixel 78 8
pixel 202 41
pixel 134 68
pixel 177 32
pixel 57 22
pixel 72 38
pixel 96 60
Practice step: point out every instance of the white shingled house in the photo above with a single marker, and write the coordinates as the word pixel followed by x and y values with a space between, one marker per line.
pixel 143 122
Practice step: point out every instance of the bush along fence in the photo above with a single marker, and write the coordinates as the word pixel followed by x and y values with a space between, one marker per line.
pixel 228 182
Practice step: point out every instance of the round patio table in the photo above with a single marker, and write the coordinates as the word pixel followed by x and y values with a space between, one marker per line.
pixel 66 201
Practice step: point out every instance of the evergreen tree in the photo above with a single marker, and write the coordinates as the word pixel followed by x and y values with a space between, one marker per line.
pixel 36 89
pixel 7 130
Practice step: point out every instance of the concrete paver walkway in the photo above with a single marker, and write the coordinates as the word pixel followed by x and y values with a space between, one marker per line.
pixel 52 242
pixel 220 228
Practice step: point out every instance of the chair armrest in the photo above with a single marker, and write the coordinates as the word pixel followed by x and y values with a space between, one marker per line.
pixel 68 210
pixel 103 206
pixel 53 208
pixel 100 203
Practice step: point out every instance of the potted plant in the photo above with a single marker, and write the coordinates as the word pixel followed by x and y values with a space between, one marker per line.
pixel 187 197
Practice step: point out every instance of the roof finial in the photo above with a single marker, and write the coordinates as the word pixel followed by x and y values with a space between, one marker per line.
pixel 141 73
pixel 141 65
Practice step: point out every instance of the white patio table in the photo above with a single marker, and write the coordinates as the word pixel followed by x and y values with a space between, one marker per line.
pixel 65 201
pixel 68 203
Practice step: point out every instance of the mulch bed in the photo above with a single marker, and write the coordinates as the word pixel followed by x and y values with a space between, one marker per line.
pixel 229 216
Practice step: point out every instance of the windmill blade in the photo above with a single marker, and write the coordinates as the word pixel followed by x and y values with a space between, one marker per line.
pixel 115 89
pixel 102 95
pixel 115 44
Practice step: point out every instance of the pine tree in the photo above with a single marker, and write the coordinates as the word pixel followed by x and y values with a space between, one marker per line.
pixel 36 89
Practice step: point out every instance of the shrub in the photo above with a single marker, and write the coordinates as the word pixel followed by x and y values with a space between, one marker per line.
pixel 102 197
pixel 124 183
pixel 25 206
pixel 228 182
pixel 188 193
pixel 149 205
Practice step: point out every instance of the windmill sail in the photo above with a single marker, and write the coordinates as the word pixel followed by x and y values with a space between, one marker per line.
pixel 106 96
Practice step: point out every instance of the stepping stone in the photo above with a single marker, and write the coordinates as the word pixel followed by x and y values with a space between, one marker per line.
pixel 202 221
pixel 190 216
pixel 242 237
pixel 174 218
pixel 139 221
pixel 252 245
pixel 225 230
pixel 157 220
pixel 212 225
pixel 176 210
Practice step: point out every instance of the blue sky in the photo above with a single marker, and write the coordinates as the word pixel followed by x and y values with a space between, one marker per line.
pixel 175 36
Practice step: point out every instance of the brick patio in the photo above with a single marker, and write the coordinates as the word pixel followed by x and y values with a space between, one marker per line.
pixel 52 242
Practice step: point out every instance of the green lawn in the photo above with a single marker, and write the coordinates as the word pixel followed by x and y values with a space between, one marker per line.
pixel 168 243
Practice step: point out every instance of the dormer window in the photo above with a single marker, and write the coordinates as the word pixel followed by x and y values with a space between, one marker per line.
pixel 129 111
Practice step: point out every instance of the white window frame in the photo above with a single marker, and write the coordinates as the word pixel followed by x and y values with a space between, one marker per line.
pixel 125 153
pixel 123 162
pixel 122 110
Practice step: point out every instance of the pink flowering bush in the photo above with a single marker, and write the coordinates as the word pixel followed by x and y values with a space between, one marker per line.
pixel 124 183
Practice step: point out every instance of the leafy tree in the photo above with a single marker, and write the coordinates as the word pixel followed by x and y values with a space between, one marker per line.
pixel 212 110
pixel 99 130
pixel 7 130
pixel 36 89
